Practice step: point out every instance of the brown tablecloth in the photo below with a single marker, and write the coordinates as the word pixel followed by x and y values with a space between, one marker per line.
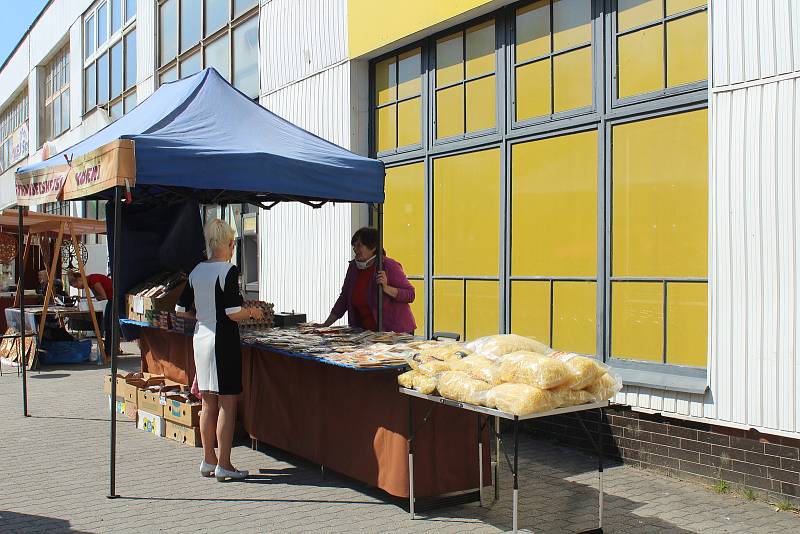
pixel 352 422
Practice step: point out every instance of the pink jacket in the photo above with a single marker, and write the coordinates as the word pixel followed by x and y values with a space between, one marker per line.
pixel 397 316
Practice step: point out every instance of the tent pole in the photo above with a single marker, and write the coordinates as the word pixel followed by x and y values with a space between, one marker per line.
pixel 112 494
pixel 23 361
pixel 379 209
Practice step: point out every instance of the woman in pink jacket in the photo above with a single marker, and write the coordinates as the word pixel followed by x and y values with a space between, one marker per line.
pixel 359 292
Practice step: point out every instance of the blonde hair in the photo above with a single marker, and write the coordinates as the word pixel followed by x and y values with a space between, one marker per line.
pixel 218 234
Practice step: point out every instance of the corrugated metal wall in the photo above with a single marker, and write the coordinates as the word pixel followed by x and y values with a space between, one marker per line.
pixel 305 79
pixel 754 241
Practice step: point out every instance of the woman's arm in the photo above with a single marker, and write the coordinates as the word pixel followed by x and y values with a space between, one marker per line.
pixel 395 284
pixel 245 314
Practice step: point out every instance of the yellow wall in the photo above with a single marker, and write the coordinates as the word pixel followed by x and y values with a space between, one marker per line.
pixel 376 23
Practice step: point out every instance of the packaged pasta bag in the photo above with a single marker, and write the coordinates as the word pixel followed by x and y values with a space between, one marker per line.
pixel 520 399
pixel 571 397
pixel 534 369
pixel 433 367
pixel 502 344
pixel 424 384
pixel 585 370
pixel 418 359
pixel 406 379
pixel 605 387
pixel 478 367
pixel 446 351
pixel 459 386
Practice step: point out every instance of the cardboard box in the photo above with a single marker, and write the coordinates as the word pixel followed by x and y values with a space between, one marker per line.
pixel 152 424
pixel 165 302
pixel 152 398
pixel 120 385
pixel 134 308
pixel 188 435
pixel 125 409
pixel 179 410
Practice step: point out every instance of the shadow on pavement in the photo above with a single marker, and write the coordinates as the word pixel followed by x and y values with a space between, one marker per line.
pixel 17 522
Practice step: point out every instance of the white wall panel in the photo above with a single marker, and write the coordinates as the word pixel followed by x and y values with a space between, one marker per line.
pixel 53 25
pixel 15 73
pixel 145 41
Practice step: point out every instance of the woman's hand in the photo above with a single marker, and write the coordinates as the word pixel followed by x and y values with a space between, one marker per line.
pixel 383 281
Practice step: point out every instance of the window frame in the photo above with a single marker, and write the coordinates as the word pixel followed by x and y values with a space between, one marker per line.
pixel 58 65
pixel 12 118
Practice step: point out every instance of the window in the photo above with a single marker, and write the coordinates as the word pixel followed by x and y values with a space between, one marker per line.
pixel 554 213
pixel 660 44
pixel 198 34
pixel 14 131
pixel 56 95
pixel 109 74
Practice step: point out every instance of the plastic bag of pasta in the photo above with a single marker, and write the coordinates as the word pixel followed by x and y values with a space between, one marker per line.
pixel 571 397
pixel 605 387
pixel 433 367
pixel 418 359
pixel 534 369
pixel 406 379
pixel 520 399
pixel 478 367
pixel 446 351
pixel 502 344
pixel 585 370
pixel 424 383
pixel 459 386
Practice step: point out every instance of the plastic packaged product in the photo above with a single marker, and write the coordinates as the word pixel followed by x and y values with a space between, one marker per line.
pixel 433 368
pixel 604 387
pixel 584 370
pixel 418 359
pixel 534 369
pixel 406 379
pixel 424 384
pixel 521 399
pixel 571 397
pixel 478 367
pixel 447 351
pixel 502 344
pixel 459 386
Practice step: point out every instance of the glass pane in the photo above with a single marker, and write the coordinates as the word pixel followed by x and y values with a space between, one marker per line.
pixel 102 24
pixel 466 214
pixel 533 90
pixel 641 62
pixel 687 49
pixel 530 309
pixel 130 9
pixel 217 56
pixel 483 308
pixel 91 209
pixel 116 15
pixel 450 112
pixel 571 23
pixel 409 122
pixel 660 196
pixel 448 306
pixel 170 75
pixel 574 316
pixel 88 37
pixel 116 110
pixel 687 324
pixel 168 37
pixel 55 111
pixel 554 179
pixel 410 71
pixel 216 15
pixel 572 80
pixel 102 79
pixel 190 23
pixel 480 49
pixel 190 65
pixel 449 59
pixel 65 105
pixel 632 13
pixel 130 102
pixel 678 6
pixel 385 128
pixel 533 31
pixel 240 6
pixel 89 84
pixel 245 58
pixel 418 306
pixel 404 216
pixel 385 81
pixel 481 110
pixel 130 60
pixel 637 320
pixel 116 70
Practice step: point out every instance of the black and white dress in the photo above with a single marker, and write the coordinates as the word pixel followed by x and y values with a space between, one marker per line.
pixel 213 291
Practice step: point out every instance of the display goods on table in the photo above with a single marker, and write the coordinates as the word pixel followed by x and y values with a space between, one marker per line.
pixel 267 321
pixel 510 373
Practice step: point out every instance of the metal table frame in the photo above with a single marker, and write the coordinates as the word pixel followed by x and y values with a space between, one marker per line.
pixel 497 415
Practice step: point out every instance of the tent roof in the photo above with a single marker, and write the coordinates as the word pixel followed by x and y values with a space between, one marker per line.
pixel 203 138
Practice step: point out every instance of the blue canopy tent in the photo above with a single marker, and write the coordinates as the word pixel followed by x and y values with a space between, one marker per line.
pixel 200 139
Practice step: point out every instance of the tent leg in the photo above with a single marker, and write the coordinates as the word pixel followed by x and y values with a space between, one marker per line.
pixel 379 210
pixel 112 494
pixel 23 361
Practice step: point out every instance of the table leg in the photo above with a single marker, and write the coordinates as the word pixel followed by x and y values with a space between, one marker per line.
pixel 600 469
pixel 410 457
pixel 497 459
pixel 480 462
pixel 516 484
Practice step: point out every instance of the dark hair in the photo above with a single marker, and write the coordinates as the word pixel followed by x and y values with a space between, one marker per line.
pixel 367 236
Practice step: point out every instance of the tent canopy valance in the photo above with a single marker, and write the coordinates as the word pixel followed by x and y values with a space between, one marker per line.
pixel 201 138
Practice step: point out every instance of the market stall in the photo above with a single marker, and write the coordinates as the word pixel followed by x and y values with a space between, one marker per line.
pixel 199 141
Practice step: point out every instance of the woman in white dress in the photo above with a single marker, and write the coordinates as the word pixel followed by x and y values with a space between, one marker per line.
pixel 212 296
